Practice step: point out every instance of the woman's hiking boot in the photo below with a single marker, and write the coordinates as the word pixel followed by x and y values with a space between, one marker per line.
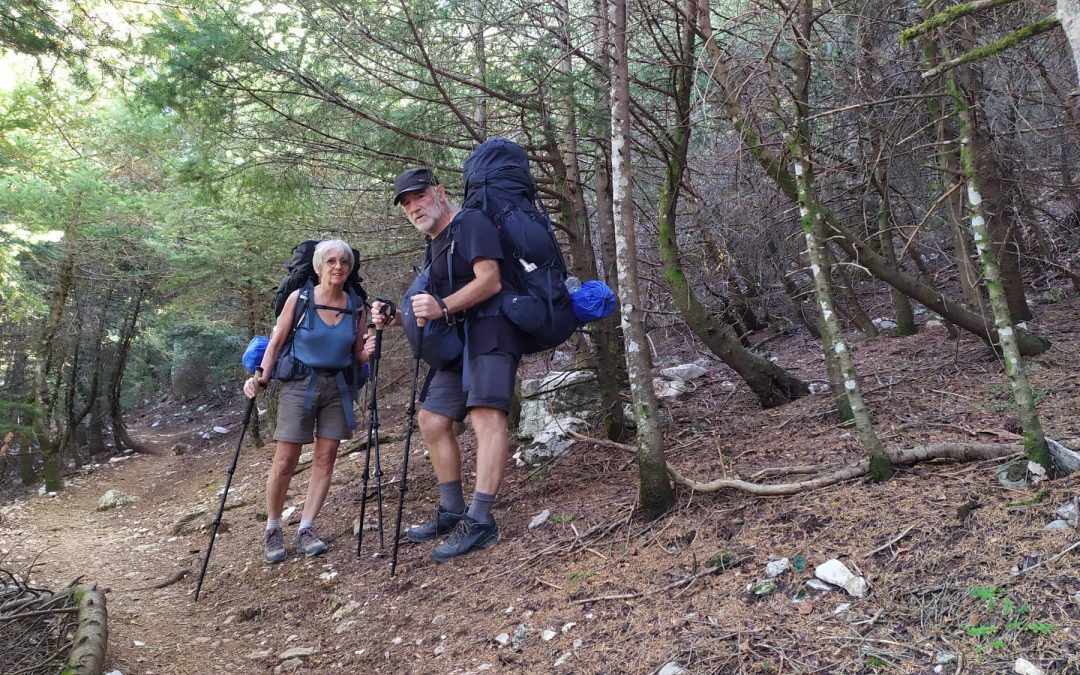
pixel 307 541
pixel 442 523
pixel 468 535
pixel 274 546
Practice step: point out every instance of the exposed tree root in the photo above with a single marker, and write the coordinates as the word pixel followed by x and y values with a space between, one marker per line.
pixel 961 452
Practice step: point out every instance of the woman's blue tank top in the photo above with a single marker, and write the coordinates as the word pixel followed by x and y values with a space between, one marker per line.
pixel 321 346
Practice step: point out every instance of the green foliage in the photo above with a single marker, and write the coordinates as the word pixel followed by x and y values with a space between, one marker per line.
pixel 1002 620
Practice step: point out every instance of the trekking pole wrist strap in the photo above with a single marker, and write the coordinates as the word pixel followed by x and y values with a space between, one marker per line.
pixel 447 316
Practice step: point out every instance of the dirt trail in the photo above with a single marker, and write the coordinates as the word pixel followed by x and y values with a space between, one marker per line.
pixel 130 549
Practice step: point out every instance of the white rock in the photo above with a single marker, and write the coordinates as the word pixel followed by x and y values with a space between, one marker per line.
pixel 934 324
pixel 882 323
pixel 1025 667
pixel 548 634
pixel 836 573
pixel 296 652
pixel 841 608
pixel 306 457
pixel 819 387
pixel 503 639
pixel 567 626
pixel 287 513
pixel 563 659
pixel 41 491
pixel 1058 525
pixel 220 430
pixel 288 666
pixel 117 460
pixel 1068 513
pixel 113 498
pixel 668 388
pixel 944 658
pixel 672 668
pixel 115 672
pixel 256 656
pixel 139 643
pixel 687 371
pixel 1038 473
pixel 777 567
pixel 439 650
pixel 540 519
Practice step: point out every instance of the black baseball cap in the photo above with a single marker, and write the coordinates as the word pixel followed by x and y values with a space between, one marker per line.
pixel 413 180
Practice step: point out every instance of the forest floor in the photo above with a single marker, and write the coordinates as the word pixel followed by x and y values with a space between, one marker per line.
pixel 595 589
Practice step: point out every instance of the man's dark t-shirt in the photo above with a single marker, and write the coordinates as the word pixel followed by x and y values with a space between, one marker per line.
pixel 471 235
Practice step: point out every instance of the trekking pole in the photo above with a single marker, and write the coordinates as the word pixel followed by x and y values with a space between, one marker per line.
pixel 373 438
pixel 411 412
pixel 224 496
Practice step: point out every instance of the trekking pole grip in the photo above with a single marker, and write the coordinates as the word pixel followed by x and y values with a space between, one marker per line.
pixel 420 321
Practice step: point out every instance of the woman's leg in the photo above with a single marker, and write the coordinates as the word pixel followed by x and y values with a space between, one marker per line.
pixel 322 469
pixel 281 472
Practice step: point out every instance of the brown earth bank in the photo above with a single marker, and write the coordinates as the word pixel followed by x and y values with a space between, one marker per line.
pixel 960 569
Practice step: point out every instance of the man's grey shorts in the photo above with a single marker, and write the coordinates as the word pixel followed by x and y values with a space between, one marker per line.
pixel 295 425
pixel 491 385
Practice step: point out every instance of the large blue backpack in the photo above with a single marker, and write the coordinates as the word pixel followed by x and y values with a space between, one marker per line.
pixel 499 183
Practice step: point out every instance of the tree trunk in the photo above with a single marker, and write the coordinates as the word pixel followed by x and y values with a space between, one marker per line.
pixel 905 318
pixel 799 145
pixel 853 246
pixel 772 385
pixel 1001 225
pixel 610 355
pixel 655 492
pixel 1068 12
pixel 121 439
pixel 44 401
pixel 1034 440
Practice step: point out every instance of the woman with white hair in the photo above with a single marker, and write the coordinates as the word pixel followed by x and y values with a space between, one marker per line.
pixel 327 340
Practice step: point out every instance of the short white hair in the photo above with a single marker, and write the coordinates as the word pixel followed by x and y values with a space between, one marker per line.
pixel 331 246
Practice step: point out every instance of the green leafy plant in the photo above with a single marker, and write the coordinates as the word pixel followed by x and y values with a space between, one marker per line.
pixel 563 517
pixel 1004 620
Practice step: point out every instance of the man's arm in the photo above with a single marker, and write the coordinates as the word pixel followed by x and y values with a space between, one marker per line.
pixel 487 283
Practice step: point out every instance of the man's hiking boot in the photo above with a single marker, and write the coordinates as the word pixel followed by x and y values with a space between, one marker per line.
pixel 442 523
pixel 306 541
pixel 469 535
pixel 274 546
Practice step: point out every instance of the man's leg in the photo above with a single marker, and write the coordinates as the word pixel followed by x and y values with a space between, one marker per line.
pixel 445 455
pixel 492 450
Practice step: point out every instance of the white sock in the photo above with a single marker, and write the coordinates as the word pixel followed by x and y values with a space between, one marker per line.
pixel 305 523
pixel 273 523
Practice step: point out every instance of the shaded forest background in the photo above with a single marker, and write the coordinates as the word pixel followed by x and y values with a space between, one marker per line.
pixel 158 163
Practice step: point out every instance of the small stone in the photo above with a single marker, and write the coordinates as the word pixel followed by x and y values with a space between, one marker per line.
pixel 439 650
pixel 139 643
pixel 520 634
pixel 1058 525
pixel 835 572
pixel 259 655
pixel 672 668
pixel 944 658
pixel 181 449
pixel 819 387
pixel 548 635
pixel 503 639
pixel 934 324
pixel 882 323
pixel 296 652
pixel 669 388
pixel 114 498
pixel 1025 667
pixel 563 659
pixel 1069 513
pixel 288 666
pixel 777 567
pixel 819 586
pixel 220 430
pixel 397 640
pixel 567 626
pixel 439 618
pixel 540 519
pixel 687 371
pixel 841 608
pixel 764 588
